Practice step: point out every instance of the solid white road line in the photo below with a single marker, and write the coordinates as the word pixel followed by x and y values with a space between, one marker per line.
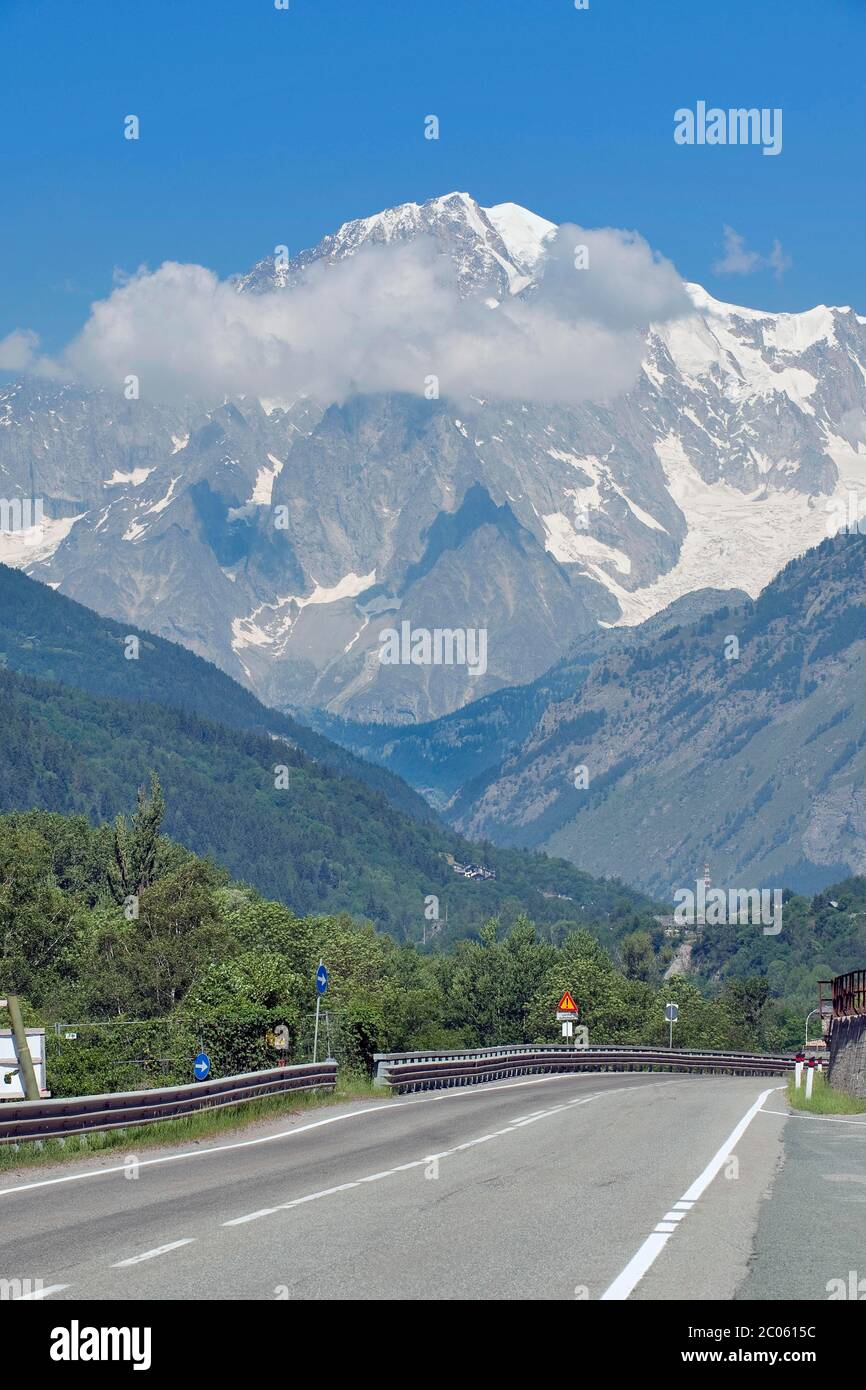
pixel 640 1262
pixel 829 1119
pixel 152 1254
pixel 40 1293
pixel 315 1124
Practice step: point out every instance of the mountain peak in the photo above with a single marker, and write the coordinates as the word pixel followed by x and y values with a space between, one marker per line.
pixel 523 232
pixel 494 250
pixel 739 445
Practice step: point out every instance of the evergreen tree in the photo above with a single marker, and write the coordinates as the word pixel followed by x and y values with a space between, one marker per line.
pixel 135 847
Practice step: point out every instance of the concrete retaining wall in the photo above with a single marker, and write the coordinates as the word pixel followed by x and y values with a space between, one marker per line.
pixel 848 1055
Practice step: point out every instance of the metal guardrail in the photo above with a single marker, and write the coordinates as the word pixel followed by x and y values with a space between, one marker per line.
pixel 410 1071
pixel 848 994
pixel 55 1119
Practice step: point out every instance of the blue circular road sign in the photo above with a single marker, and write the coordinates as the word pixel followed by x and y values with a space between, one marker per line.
pixel 201 1066
pixel 321 979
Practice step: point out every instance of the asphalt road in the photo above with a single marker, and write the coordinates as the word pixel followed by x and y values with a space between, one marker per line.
pixel 568 1187
pixel 816 1215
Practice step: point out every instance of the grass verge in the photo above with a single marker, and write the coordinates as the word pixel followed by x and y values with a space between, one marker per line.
pixel 203 1124
pixel 825 1099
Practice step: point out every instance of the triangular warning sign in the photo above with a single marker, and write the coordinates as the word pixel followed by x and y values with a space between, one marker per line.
pixel 566 1004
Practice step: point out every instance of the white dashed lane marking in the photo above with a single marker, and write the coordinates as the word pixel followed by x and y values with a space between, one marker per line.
pixel 40 1293
pixel 385 1107
pixel 422 1162
pixel 152 1254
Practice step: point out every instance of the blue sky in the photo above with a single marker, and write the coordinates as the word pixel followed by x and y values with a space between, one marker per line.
pixel 261 127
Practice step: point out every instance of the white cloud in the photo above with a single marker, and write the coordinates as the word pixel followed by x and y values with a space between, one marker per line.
pixel 18 350
pixel 739 260
pixel 385 320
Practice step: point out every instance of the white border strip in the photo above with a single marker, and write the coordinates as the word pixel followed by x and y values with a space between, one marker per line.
pixel 640 1262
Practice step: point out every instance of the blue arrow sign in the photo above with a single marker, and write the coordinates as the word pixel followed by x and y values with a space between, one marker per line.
pixel 321 979
pixel 201 1066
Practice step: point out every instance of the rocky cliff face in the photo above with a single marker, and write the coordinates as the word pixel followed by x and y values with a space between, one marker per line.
pixel 736 740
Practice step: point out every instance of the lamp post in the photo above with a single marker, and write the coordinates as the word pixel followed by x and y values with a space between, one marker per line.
pixel 806 1035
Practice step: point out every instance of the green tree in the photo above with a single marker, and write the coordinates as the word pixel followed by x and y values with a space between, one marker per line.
pixel 489 984
pixel 746 1003
pixel 611 1007
pixel 39 924
pixel 136 847
pixel 636 956
pixel 179 932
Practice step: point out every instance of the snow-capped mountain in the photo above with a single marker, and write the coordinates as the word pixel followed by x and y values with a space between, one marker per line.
pixel 280 538
pixel 494 250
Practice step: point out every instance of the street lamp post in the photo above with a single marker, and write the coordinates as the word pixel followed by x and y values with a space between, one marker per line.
pixel 806 1036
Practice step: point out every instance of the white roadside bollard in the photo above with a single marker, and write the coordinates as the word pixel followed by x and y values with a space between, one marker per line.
pixel 798 1075
pixel 810 1077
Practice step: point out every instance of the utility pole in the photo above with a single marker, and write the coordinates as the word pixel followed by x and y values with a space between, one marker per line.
pixel 22 1048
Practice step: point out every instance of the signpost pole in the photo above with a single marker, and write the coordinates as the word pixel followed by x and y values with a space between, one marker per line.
pixel 321 986
pixel 566 1012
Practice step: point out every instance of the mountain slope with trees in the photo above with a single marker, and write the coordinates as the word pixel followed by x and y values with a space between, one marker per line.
pixel 736 740
pixel 203 961
pixel 44 634
pixel 291 826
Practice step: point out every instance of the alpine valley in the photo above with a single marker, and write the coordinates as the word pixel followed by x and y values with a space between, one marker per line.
pixel 606 553
pixel 725 730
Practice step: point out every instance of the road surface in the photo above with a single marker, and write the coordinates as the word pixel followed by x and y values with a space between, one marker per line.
pixel 592 1186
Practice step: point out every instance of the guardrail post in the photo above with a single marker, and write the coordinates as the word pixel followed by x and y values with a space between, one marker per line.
pixel 380 1076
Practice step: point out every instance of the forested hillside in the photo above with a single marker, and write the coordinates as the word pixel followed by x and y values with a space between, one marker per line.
pixel 821 937
pixel 292 827
pixel 151 953
pixel 44 634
